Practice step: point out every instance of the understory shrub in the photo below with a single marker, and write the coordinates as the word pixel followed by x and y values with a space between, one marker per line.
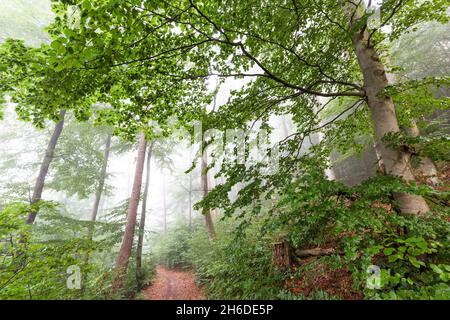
pixel 236 265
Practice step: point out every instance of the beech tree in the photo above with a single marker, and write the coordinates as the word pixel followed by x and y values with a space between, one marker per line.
pixel 305 50
pixel 101 184
pixel 205 188
pixel 141 231
pixel 43 170
pixel 99 191
pixel 381 106
pixel 418 55
pixel 128 236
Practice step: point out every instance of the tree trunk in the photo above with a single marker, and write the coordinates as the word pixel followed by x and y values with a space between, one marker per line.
pixel 98 194
pixel 127 241
pixel 40 181
pixel 190 200
pixel 142 221
pixel 101 184
pixel 396 162
pixel 205 185
pixel 315 252
pixel 281 255
pixel 427 168
pixel 164 207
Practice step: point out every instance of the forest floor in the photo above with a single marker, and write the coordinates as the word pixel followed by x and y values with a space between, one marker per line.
pixel 173 285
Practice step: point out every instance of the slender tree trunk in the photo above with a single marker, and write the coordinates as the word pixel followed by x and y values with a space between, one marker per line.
pixel 396 162
pixel 98 194
pixel 190 200
pixel 164 207
pixel 101 184
pixel 427 168
pixel 142 221
pixel 209 224
pixel 329 172
pixel 205 185
pixel 40 181
pixel 127 241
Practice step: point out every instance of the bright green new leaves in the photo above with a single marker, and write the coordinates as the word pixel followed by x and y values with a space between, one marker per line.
pixel 79 157
pixel 39 91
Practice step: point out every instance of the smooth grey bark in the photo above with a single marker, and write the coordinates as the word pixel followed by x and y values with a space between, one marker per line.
pixel 98 194
pixel 205 186
pixel 395 162
pixel 101 183
pixel 43 170
pixel 141 231
pixel 127 241
pixel 209 224
pixel 426 168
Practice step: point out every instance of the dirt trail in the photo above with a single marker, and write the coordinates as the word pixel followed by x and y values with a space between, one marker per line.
pixel 173 285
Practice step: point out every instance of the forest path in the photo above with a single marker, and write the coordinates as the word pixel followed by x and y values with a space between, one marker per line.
pixel 173 285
